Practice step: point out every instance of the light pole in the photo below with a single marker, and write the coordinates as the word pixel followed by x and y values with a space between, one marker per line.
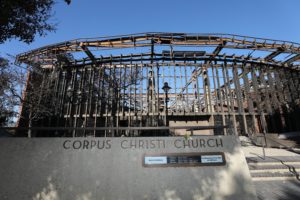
pixel 70 96
pixel 70 93
pixel 166 89
pixel 77 100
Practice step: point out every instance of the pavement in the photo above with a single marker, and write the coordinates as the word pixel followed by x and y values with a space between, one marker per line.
pixel 253 151
pixel 275 172
pixel 278 190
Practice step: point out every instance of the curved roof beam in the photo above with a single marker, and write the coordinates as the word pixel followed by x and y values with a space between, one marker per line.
pixel 219 41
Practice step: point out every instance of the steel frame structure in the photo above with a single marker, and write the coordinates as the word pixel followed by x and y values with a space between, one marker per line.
pixel 251 85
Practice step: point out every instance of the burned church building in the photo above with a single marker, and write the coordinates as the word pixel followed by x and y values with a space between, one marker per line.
pixel 152 84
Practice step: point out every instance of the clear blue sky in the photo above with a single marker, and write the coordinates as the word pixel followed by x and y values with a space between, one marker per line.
pixel 274 19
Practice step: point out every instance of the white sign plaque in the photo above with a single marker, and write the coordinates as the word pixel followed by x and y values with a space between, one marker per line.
pixel 211 159
pixel 152 160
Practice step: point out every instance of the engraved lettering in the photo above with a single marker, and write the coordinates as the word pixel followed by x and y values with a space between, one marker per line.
pixel 108 144
pixel 93 144
pixel 65 144
pixel 202 143
pixel 219 142
pixel 85 144
pixel 77 144
pixel 176 143
pixel 211 142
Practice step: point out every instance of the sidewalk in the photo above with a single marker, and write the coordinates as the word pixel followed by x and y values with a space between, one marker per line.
pixel 253 151
pixel 271 174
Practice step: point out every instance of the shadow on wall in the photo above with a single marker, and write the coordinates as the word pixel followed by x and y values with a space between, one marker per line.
pixel 233 182
pixel 221 183
pixel 50 192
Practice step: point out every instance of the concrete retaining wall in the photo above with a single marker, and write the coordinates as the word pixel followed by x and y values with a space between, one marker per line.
pixel 112 168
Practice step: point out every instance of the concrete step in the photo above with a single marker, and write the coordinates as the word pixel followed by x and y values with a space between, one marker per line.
pixel 273 159
pixel 275 175
pixel 277 189
pixel 267 166
pixel 274 178
pixel 274 168
pixel 270 172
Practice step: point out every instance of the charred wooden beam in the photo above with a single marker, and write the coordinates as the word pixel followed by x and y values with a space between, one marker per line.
pixel 292 59
pixel 88 52
pixel 183 53
pixel 272 55
pixel 219 48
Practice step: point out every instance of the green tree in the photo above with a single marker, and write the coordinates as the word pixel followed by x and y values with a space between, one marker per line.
pixel 24 19
pixel 8 82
